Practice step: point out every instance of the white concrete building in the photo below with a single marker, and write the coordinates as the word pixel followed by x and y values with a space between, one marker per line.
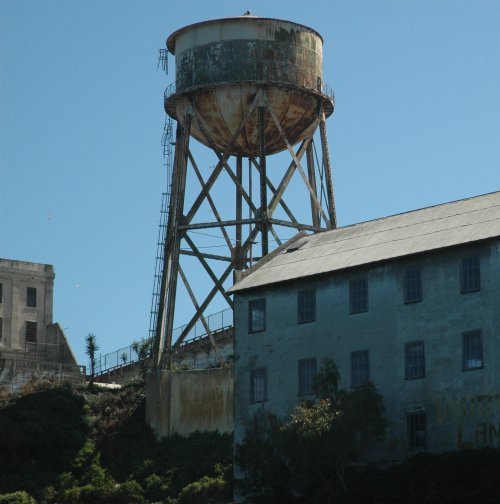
pixel 31 345
pixel 410 302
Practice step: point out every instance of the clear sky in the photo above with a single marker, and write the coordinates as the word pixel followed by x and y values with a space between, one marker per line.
pixel 417 123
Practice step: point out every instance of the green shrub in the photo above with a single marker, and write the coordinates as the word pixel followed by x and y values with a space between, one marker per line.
pixel 17 498
pixel 207 490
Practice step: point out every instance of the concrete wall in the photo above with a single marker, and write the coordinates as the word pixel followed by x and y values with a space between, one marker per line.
pixel 462 407
pixel 185 401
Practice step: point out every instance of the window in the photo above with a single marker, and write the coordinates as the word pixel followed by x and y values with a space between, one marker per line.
pixel 1 328
pixel 1 292
pixel 358 295
pixel 472 350
pixel 307 376
pixel 360 368
pixel 470 274
pixel 306 306
pixel 31 297
pixel 412 285
pixel 414 360
pixel 258 385
pixel 257 315
pixel 30 332
pixel 416 427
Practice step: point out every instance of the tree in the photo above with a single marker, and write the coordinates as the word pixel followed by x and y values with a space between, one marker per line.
pixel 91 348
pixel 144 351
pixel 307 455
pixel 124 358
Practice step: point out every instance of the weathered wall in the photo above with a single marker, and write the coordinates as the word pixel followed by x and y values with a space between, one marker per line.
pixel 462 407
pixel 185 401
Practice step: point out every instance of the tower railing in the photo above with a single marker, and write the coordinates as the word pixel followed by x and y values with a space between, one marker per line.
pixel 217 322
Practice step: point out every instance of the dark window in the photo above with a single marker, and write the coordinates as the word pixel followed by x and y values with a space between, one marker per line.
pixel 30 332
pixel 416 427
pixel 1 328
pixel 258 385
pixel 358 295
pixel 414 360
pixel 307 376
pixel 257 315
pixel 31 297
pixel 472 350
pixel 412 285
pixel 306 306
pixel 470 274
pixel 1 292
pixel 360 368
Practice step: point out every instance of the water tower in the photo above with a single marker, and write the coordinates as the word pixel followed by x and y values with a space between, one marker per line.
pixel 250 90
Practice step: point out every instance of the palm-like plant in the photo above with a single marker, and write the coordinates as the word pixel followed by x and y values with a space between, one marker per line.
pixel 91 348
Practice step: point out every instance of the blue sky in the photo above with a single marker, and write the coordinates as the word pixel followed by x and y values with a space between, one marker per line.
pixel 417 123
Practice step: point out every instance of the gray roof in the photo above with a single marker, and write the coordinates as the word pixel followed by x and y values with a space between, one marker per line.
pixel 436 227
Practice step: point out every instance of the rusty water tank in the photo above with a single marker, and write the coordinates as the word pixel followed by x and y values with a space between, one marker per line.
pixel 221 64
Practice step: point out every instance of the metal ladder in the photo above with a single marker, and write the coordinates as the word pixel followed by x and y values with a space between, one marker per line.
pixel 167 145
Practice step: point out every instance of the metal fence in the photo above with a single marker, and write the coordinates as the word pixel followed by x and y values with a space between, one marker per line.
pixel 127 355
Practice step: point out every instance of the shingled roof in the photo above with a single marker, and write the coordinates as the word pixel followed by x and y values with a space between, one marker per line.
pixel 447 225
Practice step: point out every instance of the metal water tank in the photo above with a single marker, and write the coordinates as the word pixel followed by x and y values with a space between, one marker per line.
pixel 222 63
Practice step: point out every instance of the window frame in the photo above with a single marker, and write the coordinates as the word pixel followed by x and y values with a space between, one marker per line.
pixel 408 348
pixel 262 370
pixel 358 383
pixel 465 335
pixel 412 293
pixel 305 382
pixel 414 443
pixel 31 329
pixel 253 308
pixel 358 295
pixel 470 274
pixel 306 306
pixel 31 296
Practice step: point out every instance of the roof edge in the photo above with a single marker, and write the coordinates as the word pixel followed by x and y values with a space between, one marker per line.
pixel 265 259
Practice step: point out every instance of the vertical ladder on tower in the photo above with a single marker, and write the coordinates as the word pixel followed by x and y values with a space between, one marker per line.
pixel 167 144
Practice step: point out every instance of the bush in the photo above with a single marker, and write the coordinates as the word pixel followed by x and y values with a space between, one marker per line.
pixel 17 498
pixel 207 490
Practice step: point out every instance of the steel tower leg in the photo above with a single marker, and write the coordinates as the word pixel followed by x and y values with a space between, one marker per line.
pixel 259 219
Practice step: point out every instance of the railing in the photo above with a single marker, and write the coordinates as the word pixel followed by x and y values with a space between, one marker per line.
pixel 124 356
pixel 169 91
pixel 323 88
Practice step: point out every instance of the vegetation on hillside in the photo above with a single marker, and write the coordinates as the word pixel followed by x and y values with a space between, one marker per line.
pixel 70 446
pixel 89 445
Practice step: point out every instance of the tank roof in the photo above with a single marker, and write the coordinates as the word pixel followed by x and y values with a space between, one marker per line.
pixel 171 39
